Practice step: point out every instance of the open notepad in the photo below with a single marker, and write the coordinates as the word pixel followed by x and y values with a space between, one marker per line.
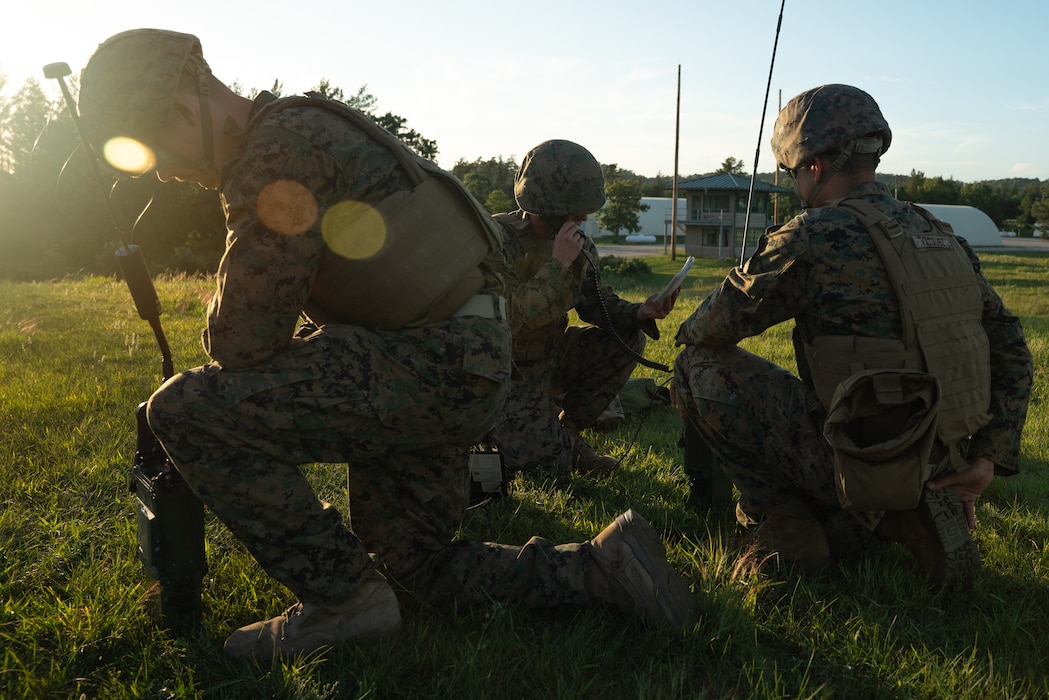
pixel 676 281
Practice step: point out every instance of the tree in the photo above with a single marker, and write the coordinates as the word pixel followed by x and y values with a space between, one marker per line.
pixel 481 177
pixel 622 206
pixel 25 116
pixel 1040 209
pixel 396 125
pixel 732 166
pixel 365 102
pixel 659 186
pixel 498 202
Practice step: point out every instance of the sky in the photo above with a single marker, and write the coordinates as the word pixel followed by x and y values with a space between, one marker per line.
pixel 964 85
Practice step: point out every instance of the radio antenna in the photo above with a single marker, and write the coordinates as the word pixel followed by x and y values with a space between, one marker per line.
pixel 129 256
pixel 761 127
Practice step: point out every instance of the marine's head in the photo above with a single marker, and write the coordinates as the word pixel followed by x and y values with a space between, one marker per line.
pixel 836 121
pixel 129 86
pixel 559 179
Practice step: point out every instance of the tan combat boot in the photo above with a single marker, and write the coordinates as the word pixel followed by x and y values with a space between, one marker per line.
pixel 628 570
pixel 372 612
pixel 612 417
pixel 937 535
pixel 793 535
pixel 584 459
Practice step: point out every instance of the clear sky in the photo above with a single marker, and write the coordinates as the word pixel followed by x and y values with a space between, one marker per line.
pixel 963 84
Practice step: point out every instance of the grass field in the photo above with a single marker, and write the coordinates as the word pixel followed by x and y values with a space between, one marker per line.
pixel 75 360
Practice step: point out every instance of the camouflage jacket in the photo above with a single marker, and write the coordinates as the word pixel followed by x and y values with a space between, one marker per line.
pixel 540 292
pixel 796 273
pixel 293 166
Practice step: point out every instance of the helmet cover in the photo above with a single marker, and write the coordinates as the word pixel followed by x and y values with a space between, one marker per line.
pixel 559 177
pixel 130 81
pixel 824 118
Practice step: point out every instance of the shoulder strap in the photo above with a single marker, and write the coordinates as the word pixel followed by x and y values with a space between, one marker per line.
pixel 417 168
pixel 405 157
pixel 887 235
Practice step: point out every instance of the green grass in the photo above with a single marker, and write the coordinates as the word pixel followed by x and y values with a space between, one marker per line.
pixel 75 360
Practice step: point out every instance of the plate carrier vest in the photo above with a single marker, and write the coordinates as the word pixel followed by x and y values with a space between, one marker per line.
pixel 941 308
pixel 436 236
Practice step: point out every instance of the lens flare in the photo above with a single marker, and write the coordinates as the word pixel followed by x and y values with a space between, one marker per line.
pixel 354 230
pixel 129 155
pixel 286 207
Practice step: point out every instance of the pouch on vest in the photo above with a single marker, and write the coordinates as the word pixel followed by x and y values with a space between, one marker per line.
pixel 881 426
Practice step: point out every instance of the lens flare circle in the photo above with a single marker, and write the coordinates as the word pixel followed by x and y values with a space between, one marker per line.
pixel 286 207
pixel 129 155
pixel 354 230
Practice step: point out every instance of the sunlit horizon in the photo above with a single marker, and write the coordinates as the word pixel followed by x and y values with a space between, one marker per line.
pixel 485 83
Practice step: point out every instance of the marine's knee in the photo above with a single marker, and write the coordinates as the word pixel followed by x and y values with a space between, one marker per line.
pixel 170 405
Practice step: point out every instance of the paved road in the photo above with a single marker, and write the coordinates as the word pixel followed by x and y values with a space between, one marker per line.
pixel 642 249
pixel 637 250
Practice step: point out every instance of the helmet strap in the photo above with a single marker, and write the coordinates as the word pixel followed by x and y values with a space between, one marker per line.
pixel 838 163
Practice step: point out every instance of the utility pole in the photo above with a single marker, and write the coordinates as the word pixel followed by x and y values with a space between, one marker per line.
pixel 673 195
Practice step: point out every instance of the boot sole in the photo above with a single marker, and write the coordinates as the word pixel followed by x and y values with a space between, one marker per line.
pixel 942 513
pixel 673 595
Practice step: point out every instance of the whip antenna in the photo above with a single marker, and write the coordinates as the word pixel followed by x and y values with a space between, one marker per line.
pixel 761 127
pixel 129 256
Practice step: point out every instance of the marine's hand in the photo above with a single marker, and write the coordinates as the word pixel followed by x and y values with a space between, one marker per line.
pixel 568 242
pixel 676 401
pixel 968 484
pixel 651 309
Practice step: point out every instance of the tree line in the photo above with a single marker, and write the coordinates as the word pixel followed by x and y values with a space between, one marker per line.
pixel 55 221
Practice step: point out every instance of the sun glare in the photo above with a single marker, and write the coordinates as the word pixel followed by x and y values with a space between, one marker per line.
pixel 354 230
pixel 287 207
pixel 129 155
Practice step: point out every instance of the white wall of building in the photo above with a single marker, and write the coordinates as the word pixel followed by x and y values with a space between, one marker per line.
pixel 971 223
pixel 654 222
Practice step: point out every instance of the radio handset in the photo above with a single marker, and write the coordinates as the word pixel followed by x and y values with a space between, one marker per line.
pixel 610 327
pixel 554 223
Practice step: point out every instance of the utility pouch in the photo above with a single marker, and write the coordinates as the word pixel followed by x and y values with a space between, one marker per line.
pixel 487 475
pixel 428 244
pixel 881 425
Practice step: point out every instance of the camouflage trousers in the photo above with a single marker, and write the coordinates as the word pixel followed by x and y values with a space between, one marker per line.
pixel 401 409
pixel 583 373
pixel 766 427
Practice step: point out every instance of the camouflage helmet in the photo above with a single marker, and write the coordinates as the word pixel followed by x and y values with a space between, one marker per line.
pixel 559 177
pixel 827 117
pixel 130 81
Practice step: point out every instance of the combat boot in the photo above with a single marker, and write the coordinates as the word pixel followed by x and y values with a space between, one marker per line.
pixel 628 569
pixel 371 613
pixel 584 459
pixel 612 417
pixel 794 536
pixel 937 535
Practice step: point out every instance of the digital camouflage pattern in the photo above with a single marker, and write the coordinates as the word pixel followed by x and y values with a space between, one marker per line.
pixel 822 270
pixel 823 118
pixel 130 81
pixel 400 407
pixel 577 369
pixel 559 177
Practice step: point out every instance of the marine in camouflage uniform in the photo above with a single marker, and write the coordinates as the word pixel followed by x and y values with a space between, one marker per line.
pixel 823 270
pixel 564 375
pixel 400 406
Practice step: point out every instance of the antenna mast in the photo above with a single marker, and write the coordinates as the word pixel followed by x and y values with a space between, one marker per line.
pixel 673 195
pixel 761 127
